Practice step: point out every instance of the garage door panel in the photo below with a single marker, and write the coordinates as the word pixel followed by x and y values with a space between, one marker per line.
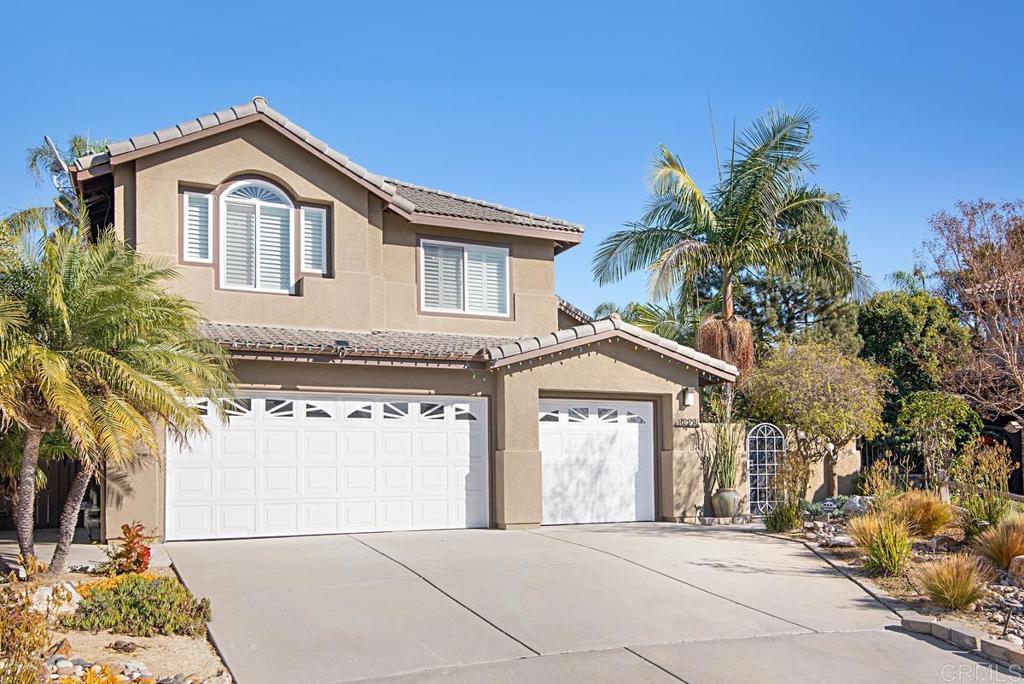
pixel 236 520
pixel 292 464
pixel 320 481
pixel 319 516
pixel 192 483
pixel 319 444
pixel 236 483
pixel 237 443
pixel 597 461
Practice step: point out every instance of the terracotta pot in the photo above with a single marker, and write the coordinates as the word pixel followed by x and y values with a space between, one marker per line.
pixel 726 503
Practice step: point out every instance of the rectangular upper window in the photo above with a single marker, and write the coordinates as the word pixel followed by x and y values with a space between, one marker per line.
pixel 463 278
pixel 314 240
pixel 198 214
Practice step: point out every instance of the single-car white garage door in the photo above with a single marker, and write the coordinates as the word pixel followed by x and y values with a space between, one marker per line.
pixel 598 461
pixel 293 464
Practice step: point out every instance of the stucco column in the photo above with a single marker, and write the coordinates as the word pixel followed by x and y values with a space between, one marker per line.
pixel 517 464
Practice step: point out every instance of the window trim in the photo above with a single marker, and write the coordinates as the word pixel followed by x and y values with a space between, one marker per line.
pixel 324 269
pixel 185 258
pixel 464 311
pixel 222 229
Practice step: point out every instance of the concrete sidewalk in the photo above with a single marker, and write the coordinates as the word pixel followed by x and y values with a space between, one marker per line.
pixel 612 603
pixel 83 550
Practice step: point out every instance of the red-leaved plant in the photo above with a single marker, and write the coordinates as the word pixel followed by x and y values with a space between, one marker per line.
pixel 132 554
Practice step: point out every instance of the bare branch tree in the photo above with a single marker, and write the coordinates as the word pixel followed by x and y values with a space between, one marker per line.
pixel 978 265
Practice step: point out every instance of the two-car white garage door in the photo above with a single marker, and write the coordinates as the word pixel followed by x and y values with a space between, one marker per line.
pixel 292 464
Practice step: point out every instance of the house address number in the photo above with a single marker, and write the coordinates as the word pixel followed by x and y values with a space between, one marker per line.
pixel 686 423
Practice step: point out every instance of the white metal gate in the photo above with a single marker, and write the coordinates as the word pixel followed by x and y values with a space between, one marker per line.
pixel 766 445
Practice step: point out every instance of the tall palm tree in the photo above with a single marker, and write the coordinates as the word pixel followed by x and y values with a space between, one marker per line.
pixel 756 218
pixel 93 345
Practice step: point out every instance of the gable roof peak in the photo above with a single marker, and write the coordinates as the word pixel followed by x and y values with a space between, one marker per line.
pixel 410 200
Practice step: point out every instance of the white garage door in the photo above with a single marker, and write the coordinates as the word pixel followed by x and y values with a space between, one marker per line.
pixel 292 464
pixel 598 461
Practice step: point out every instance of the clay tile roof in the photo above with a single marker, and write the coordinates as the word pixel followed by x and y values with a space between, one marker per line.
pixel 374 343
pixel 440 203
pixel 574 312
pixel 412 199
pixel 508 351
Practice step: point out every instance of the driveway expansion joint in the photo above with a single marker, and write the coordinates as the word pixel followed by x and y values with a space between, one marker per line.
pixel 650 662
pixel 675 579
pixel 448 596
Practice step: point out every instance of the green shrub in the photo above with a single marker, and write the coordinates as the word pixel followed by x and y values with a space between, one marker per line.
pixel 999 544
pixel 981 512
pixel 782 518
pixel 954 582
pixel 889 550
pixel 141 606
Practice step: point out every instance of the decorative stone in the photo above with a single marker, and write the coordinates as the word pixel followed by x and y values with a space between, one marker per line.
pixel 838 541
pixel 61 648
pixel 857 505
pixel 1017 568
pixel 42 599
pixel 1014 639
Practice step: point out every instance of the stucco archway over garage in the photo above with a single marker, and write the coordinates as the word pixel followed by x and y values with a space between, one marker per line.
pixel 615 362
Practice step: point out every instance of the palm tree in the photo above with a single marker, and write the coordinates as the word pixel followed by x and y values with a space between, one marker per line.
pixel 93 345
pixel 758 217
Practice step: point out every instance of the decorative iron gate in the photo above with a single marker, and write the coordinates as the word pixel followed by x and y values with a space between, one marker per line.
pixel 766 446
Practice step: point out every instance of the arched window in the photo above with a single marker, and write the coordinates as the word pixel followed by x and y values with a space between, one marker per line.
pixel 256 237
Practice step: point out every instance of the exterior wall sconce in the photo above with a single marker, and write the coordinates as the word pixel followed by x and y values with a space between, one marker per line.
pixel 688 397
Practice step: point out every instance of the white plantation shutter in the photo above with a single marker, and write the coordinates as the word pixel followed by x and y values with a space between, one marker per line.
pixel 314 241
pixel 239 245
pixel 197 226
pixel 442 277
pixel 275 253
pixel 486 280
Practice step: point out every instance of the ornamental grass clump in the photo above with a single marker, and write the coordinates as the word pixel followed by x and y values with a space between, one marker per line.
pixel 1000 543
pixel 954 582
pixel 889 550
pixel 924 513
pixel 864 528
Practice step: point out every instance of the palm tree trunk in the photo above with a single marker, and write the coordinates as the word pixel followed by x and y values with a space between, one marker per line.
pixel 24 511
pixel 727 304
pixel 69 517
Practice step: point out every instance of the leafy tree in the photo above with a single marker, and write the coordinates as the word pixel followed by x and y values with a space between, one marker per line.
pixel 826 397
pixel 787 306
pixel 94 346
pixel 910 333
pixel 938 423
pixel 761 216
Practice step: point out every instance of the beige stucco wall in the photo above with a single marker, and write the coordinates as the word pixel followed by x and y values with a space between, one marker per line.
pixel 612 370
pixel 373 252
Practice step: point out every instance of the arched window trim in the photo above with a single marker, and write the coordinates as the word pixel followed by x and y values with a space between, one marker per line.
pixel 257 203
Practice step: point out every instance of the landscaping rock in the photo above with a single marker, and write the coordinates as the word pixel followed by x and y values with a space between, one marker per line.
pixel 838 541
pixel 857 505
pixel 61 648
pixel 1014 639
pixel 1016 570
pixel 43 599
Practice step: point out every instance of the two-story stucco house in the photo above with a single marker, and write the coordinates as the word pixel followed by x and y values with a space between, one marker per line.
pixel 404 362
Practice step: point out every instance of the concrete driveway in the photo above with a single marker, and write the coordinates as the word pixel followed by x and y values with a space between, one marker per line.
pixel 597 604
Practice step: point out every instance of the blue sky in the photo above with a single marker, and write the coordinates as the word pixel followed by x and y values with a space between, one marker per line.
pixel 555 108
